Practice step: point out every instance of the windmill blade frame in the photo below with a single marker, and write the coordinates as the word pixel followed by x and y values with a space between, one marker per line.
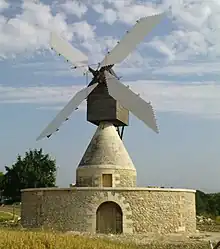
pixel 64 48
pixel 105 74
pixel 131 39
pixel 63 115
pixel 131 101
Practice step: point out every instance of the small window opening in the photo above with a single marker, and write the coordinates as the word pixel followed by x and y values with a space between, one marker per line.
pixel 107 180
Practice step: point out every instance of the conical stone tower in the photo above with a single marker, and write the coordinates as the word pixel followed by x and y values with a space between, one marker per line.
pixel 106 162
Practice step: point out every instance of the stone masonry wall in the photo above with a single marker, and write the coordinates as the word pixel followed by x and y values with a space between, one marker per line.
pixel 144 210
pixel 91 176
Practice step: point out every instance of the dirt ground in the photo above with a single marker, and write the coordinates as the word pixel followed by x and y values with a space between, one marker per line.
pixel 144 239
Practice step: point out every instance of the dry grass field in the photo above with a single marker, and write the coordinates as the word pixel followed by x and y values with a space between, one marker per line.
pixel 8 213
pixel 14 237
pixel 16 209
pixel 11 239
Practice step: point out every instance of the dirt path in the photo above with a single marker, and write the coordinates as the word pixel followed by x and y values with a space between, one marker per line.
pixel 213 236
pixel 144 239
pixel 171 238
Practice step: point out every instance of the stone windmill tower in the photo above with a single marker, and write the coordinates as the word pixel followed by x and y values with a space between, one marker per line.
pixel 106 163
pixel 105 198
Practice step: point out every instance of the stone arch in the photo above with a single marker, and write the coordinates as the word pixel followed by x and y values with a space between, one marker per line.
pixel 110 196
pixel 109 218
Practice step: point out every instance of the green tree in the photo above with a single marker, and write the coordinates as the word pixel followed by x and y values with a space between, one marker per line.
pixel 1 184
pixel 201 203
pixel 34 170
pixel 213 206
pixel 207 204
pixel 1 179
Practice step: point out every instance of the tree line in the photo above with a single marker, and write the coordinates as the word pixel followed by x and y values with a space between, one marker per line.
pixel 207 204
pixel 34 170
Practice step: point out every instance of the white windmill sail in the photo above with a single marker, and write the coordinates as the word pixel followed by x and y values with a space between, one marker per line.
pixel 62 47
pixel 131 39
pixel 118 91
pixel 131 101
pixel 66 111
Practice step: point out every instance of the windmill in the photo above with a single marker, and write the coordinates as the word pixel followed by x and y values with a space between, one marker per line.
pixel 107 98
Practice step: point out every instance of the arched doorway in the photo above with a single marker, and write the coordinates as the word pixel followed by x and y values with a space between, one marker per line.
pixel 109 218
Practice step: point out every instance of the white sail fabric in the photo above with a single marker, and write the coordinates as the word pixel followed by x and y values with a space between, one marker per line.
pixel 131 39
pixel 62 47
pixel 131 101
pixel 66 111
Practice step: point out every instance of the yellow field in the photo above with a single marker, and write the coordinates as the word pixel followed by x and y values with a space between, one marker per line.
pixel 12 239
pixel 21 239
pixel 47 240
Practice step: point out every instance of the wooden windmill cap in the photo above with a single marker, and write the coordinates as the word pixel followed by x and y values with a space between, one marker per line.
pixel 106 148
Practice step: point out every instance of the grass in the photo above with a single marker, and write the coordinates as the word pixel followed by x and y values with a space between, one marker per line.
pixel 217 220
pixel 12 239
pixel 5 216
pixel 9 216
pixel 10 209
pixel 16 238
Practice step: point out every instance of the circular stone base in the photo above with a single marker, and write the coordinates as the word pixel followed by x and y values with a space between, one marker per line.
pixel 143 209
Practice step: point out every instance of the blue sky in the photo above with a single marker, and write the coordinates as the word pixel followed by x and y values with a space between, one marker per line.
pixel 176 67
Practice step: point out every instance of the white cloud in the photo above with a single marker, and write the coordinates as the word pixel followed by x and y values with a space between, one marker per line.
pixel 110 16
pixel 37 95
pixel 84 30
pixel 99 8
pixel 189 98
pixel 120 4
pixel 127 71
pixel 190 68
pixel 195 29
pixel 123 11
pixel 52 98
pixel 162 48
pixel 196 32
pixel 29 31
pixel 130 14
pixel 194 98
pixel 3 5
pixel 57 67
pixel 74 8
pixel 97 47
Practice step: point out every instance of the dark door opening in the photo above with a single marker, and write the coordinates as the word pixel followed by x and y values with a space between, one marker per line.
pixel 109 218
